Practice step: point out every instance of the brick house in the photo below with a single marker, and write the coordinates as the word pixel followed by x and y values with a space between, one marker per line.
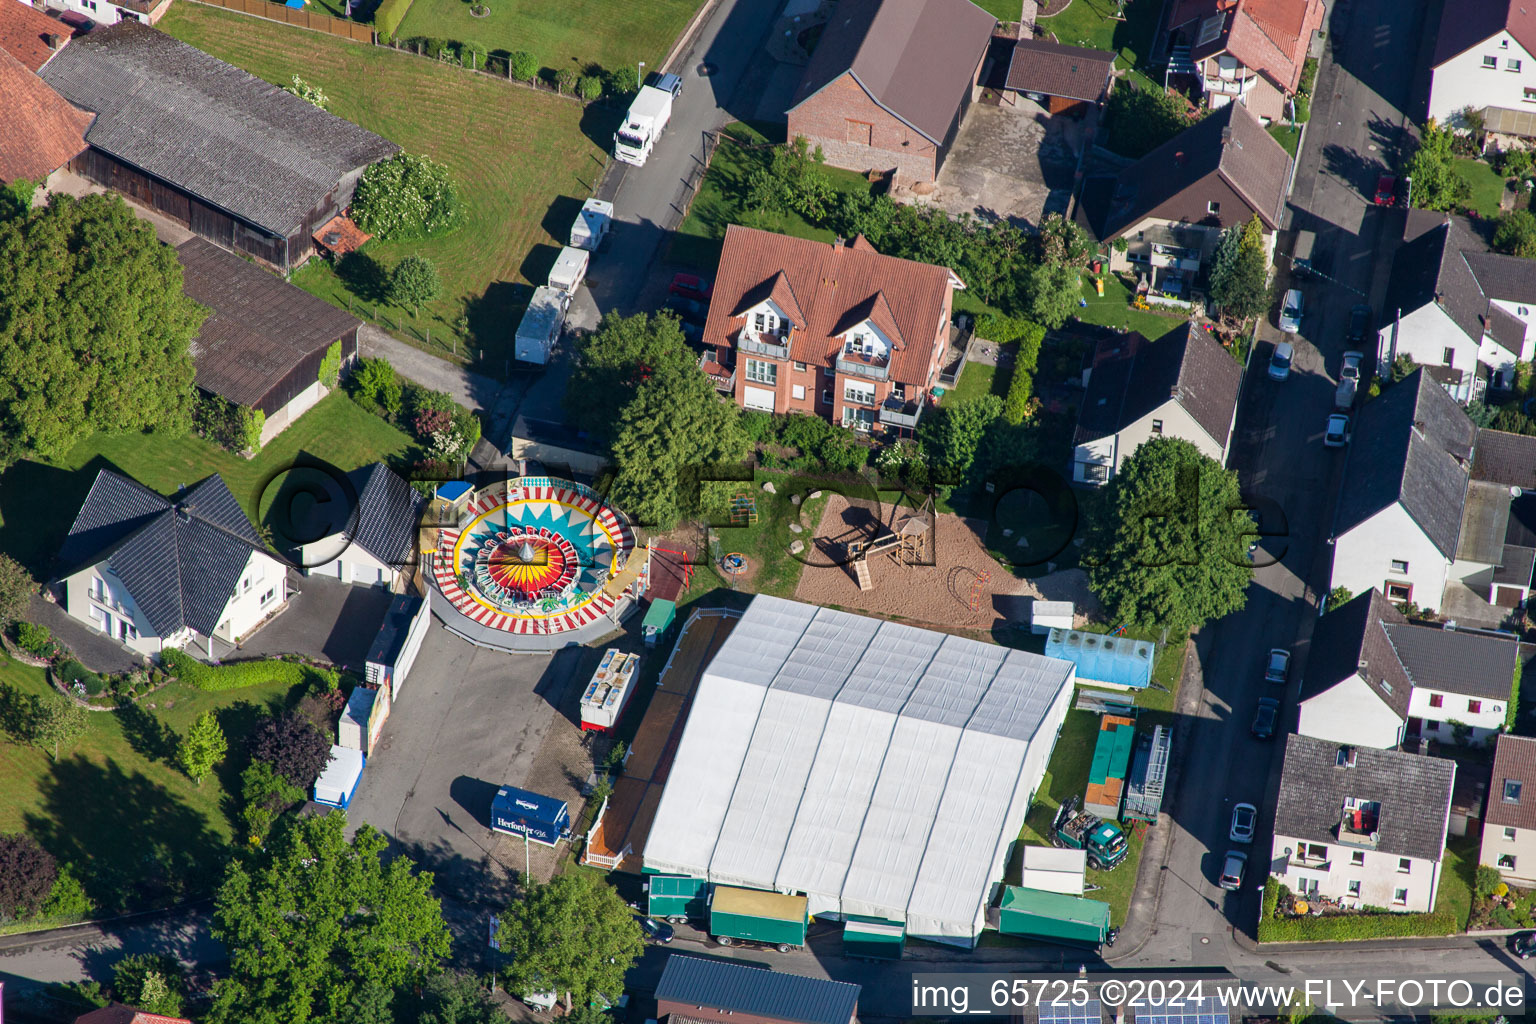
pixel 1244 51
pixel 832 329
pixel 890 82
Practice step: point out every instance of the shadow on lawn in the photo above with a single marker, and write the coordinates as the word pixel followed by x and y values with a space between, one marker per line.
pixel 37 504
pixel 149 737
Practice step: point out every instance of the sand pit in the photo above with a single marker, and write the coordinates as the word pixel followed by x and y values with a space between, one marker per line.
pixel 937 594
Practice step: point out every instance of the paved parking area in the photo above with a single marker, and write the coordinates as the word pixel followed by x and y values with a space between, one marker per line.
pixel 1007 162
pixel 329 619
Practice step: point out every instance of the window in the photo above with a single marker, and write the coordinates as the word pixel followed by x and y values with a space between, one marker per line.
pixel 829 372
pixel 762 372
pixel 1512 789
pixel 267 597
pixel 859 394
pixel 1399 592
pixel 797 390
pixel 899 391
pixel 1506 862
pixel 861 133
pixel 1523 310
pixel 1141 236
pixel 1509 835
pixel 1400 896
pixel 99 588
pixel 127 631
pixel 1399 566
pixel 1386 686
pixel 1404 865
pixel 1354 890
pixel 1157 426
pixel 1357 858
pixel 1511 64
pixel 799 366
pixel 826 398
pixel 1474 707
pixel 1503 44
pixel 1447 357
pixel 1490 61
pixel 1436 700
pixel 245 585
pixel 1530 95
pixel 1313 851
pixel 1093 472
pixel 1213 208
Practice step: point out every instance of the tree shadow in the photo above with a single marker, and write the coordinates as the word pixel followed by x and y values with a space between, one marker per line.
pixel 18 713
pixel 482 882
pixel 364 276
pixel 32 495
pixel 149 737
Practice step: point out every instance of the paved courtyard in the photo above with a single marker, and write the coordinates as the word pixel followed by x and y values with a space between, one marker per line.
pixel 1010 163
pixel 329 619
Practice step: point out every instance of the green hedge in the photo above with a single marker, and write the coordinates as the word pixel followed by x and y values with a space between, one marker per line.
pixel 1349 928
pixel 387 19
pixel 236 675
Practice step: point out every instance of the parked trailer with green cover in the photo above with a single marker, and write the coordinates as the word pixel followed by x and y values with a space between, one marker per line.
pixel 754 916
pixel 874 938
pixel 677 898
pixel 1055 917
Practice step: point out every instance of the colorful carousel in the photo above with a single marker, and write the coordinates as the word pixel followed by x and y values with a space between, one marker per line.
pixel 532 559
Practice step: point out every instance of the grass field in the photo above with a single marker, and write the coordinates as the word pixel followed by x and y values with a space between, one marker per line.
pixel 1288 136
pixel 1092 23
pixel 524 161
pixel 560 33
pixel 1487 185
pixel 135 829
pixel 1114 310
pixel 976 380
pixel 38 501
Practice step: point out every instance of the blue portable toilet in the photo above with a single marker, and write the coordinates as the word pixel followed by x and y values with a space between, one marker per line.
pixel 518 812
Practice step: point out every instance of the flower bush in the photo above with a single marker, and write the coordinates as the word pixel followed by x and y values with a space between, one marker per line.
pixel 406 197
pixel 311 94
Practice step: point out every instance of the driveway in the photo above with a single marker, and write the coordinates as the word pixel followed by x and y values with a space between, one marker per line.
pixel 1010 163
pixel 328 620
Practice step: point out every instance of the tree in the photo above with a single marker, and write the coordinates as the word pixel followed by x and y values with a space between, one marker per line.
pixel 614 359
pixel 1240 272
pixel 94 328
pixel 375 384
pixel 1168 545
pixel 414 281
pixel 291 744
pixel 407 196
pixel 27 874
pixel 949 436
pixel 152 982
pixel 524 66
pixel 1140 120
pixel 202 747
pixel 665 440
pixel 624 80
pixel 16 590
pixel 1516 234
pixel 1338 597
pixel 264 796
pixel 474 53
pixel 589 87
pixel 57 722
pixel 314 917
pixel 574 934
pixel 1060 242
pixel 565 80
pixel 1437 185
pixel 454 997
pixel 1052 294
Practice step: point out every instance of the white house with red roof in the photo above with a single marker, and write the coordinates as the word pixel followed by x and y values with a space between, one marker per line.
pixel 1485 58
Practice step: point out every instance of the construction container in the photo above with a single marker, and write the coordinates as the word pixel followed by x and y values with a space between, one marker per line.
pixel 1053 916
pixel 363 719
pixel 608 692
pixel 752 915
pixel 874 938
pixel 677 898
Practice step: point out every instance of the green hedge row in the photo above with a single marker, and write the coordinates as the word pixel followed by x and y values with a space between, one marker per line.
pixel 240 674
pixel 1350 928
pixel 387 19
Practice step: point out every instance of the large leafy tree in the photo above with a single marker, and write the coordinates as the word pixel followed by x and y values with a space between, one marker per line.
pixel 1140 120
pixel 453 997
pixel 27 874
pixel 1052 292
pixel 292 745
pixel 317 925
pixel 152 982
pixel 1516 234
pixel 16 590
pixel 614 359
pixel 1437 185
pixel 1167 549
pixel 94 328
pixel 950 435
pixel 575 935
pixel 1240 271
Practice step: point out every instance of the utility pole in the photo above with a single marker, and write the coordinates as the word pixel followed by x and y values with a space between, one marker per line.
pixel 640 75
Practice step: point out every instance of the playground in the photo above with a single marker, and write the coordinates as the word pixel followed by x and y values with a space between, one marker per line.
pixel 905 562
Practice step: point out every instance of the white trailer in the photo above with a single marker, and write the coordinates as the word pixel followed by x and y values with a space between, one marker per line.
pixel 541 324
pixel 591 225
pixel 643 125
pixel 570 269
pixel 609 690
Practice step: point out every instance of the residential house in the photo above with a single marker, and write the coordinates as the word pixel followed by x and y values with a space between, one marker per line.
pixel 1456 308
pixel 40 131
pixel 1485 58
pixel 1420 519
pixel 263 345
pixel 117 1013
pixel 1244 51
pixel 381 536
pixel 835 330
pixel 240 162
pixel 110 12
pixel 1182 385
pixel 1377 680
pixel 1066 80
pixel 1171 206
pixel 1362 825
pixel 156 572
pixel 890 82
pixel 695 989
pixel 1509 822
pixel 30 36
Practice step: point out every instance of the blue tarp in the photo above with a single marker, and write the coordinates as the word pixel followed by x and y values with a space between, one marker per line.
pixel 455 489
pixel 541 818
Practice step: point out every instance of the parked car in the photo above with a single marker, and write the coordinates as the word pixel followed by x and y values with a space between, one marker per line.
pixel 656 931
pixel 1265 718
pixel 1359 324
pixel 1245 818
pixel 1277 667
pixel 689 311
pixel 1349 381
pixel 77 21
pixel 1291 308
pixel 1232 870
pixel 690 286
pixel 1280 362
pixel 1336 435
pixel 1523 944
pixel 1386 190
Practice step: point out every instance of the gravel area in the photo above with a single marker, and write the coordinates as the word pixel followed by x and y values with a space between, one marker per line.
pixel 939 594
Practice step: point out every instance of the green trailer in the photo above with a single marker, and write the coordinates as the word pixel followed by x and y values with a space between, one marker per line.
pixel 762 918
pixel 677 898
pixel 873 938
pixel 1055 917
pixel 658 619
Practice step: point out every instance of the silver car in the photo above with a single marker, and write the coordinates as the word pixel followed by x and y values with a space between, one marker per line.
pixel 1290 311
pixel 1280 362
pixel 1278 665
pixel 1245 818
pixel 1232 867
pixel 1337 433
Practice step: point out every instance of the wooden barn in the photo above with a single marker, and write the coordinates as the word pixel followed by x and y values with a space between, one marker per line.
pixel 240 162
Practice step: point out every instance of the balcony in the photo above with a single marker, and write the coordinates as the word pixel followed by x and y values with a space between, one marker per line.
pixel 1359 822
pixel 771 345
pixel 723 379
pixel 1229 86
pixel 864 366
pixel 898 413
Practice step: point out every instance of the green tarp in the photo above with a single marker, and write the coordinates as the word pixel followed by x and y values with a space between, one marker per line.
pixel 1112 754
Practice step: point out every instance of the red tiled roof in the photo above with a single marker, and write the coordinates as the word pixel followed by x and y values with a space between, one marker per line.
pixel 24 34
pixel 117 1013
pixel 1269 36
pixel 39 130
pixel 836 287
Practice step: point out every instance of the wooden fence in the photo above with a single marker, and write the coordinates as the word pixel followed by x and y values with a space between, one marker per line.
pixel 301 17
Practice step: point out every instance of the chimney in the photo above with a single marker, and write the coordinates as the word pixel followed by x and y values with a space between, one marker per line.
pixel 1226 135
pixel 838 242
pixel 53 40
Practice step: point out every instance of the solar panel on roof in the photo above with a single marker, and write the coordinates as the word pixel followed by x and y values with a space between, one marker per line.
pixel 1090 1012
pixel 1206 1010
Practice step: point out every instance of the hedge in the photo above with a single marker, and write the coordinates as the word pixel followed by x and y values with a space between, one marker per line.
pixel 236 675
pixel 387 19
pixel 1349 928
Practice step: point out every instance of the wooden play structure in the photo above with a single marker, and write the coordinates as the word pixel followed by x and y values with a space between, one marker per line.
pixel 908 542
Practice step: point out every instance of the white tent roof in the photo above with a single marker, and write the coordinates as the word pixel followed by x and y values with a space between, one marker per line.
pixel 881 769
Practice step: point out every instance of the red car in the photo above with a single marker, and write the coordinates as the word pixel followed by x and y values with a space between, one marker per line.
pixel 691 286
pixel 1386 190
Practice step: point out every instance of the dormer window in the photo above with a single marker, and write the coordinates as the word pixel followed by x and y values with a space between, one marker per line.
pixel 1512 789
pixel 766 321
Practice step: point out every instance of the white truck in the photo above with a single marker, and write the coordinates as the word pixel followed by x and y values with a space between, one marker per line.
pixel 591 225
pixel 541 324
pixel 643 125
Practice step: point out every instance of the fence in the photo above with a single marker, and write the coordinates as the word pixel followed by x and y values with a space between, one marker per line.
pixel 301 17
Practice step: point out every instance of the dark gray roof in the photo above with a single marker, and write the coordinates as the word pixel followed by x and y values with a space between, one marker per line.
pixel 386 647
pixel 756 991
pixel 1509 278
pixel 1505 458
pixel 1414 791
pixel 1352 640
pixel 1411 445
pixel 388 515
pixel 1185 365
pixel 1484 519
pixel 916 58
pixel 261 326
pixel 1455 661
pixel 1444 260
pixel 1517 565
pixel 208 127
pixel 180 560
pixel 1465 23
pixel 1514 760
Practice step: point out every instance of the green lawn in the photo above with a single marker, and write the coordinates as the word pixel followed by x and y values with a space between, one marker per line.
pixel 1114 309
pixel 1288 136
pixel 719 202
pixel 1487 186
pixel 136 830
pixel 524 162
pixel 1092 23
pixel 1003 10
pixel 39 500
pixel 976 380
pixel 560 33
